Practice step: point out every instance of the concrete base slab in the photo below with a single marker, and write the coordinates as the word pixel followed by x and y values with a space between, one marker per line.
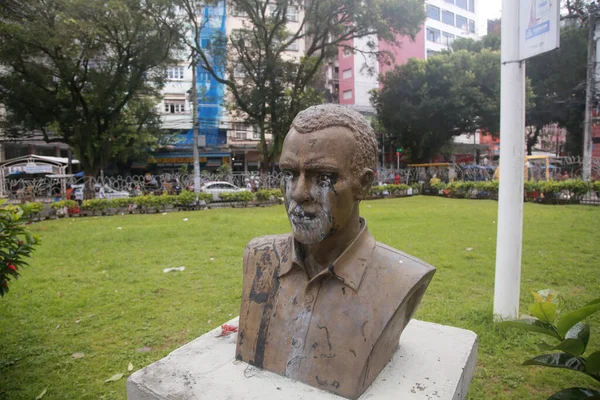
pixel 433 362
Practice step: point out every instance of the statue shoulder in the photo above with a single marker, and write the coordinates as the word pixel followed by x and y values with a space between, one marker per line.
pixel 400 263
pixel 266 242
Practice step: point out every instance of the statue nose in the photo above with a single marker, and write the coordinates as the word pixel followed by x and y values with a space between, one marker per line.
pixel 301 189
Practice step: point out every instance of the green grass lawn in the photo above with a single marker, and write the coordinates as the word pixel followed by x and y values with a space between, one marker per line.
pixel 96 286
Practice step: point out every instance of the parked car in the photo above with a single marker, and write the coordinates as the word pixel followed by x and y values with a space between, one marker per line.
pixel 109 192
pixel 216 188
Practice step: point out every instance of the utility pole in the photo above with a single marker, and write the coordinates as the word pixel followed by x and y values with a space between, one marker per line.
pixel 195 128
pixel 512 159
pixel 589 96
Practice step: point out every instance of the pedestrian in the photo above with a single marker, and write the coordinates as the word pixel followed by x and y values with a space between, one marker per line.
pixel 397 179
pixel 101 193
pixel 79 195
pixel 69 193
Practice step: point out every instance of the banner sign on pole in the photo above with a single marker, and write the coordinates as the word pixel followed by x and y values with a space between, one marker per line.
pixel 539 27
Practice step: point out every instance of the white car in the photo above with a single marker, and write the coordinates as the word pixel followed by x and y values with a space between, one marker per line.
pixel 109 193
pixel 216 188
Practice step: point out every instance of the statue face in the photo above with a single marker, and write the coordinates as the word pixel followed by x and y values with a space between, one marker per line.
pixel 318 185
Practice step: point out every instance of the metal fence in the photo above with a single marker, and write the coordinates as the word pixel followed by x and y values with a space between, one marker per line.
pixel 50 189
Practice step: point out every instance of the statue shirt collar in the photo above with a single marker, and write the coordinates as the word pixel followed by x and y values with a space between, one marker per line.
pixel 349 267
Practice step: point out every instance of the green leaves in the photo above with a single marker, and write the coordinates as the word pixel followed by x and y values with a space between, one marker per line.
pixel 576 340
pixel 576 393
pixel 533 325
pixel 593 364
pixel 573 336
pixel 545 312
pixel 568 320
pixel 558 360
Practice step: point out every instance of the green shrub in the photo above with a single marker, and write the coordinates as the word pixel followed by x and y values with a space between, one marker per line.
pixel 396 190
pixel 186 198
pixel 266 194
pixel 95 205
pixel 571 338
pixel 16 244
pixel 31 209
pixel 417 186
pixel 244 196
pixel 120 202
pixel 376 191
pixel 596 186
pixel 532 186
pixel 576 186
pixel 63 203
pixel 263 195
pixel 165 200
pixel 438 186
pixel 551 187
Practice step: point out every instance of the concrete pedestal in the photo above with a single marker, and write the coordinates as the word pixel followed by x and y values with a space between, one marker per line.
pixel 433 362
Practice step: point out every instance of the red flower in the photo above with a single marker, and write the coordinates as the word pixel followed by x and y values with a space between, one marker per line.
pixel 12 267
pixel 227 330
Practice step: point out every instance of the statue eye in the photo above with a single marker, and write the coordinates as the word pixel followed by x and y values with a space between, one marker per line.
pixel 287 174
pixel 325 180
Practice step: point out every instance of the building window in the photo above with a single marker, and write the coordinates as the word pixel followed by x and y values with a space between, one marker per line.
pixel 255 134
pixel 174 106
pixel 433 12
pixel 292 14
pixel 448 17
pixel 461 22
pixel 447 38
pixel 462 4
pixel 347 52
pixel 240 135
pixel 472 6
pixel 347 94
pixel 203 76
pixel 431 53
pixel 471 26
pixel 449 1
pixel 175 72
pixel 433 35
pixel 293 46
pixel 347 73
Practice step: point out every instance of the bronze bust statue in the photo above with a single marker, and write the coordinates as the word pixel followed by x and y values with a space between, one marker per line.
pixel 326 304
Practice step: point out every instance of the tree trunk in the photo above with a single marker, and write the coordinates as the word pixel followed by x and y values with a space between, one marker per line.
pixel 532 138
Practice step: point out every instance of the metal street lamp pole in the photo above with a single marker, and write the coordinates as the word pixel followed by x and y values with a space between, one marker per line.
pixel 195 128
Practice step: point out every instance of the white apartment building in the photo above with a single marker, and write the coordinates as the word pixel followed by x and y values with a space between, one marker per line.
pixel 447 20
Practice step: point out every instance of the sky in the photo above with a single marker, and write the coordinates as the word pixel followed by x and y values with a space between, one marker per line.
pixel 488 9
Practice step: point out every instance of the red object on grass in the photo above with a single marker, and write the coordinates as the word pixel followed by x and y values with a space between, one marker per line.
pixel 227 330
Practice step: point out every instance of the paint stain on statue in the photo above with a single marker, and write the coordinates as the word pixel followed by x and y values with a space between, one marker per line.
pixel 310 228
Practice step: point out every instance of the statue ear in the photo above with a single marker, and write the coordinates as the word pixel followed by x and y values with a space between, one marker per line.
pixel 366 180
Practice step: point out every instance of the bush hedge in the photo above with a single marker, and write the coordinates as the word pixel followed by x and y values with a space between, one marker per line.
pixel 532 189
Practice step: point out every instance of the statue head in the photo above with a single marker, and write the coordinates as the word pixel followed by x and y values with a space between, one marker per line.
pixel 328 160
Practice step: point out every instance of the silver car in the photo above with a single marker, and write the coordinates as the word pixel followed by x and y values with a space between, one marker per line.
pixel 216 188
pixel 109 193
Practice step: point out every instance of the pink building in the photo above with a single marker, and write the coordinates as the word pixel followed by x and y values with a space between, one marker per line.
pixel 352 75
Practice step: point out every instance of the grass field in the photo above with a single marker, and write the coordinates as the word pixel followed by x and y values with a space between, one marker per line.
pixel 96 286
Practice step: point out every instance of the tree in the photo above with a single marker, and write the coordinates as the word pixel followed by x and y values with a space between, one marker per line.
pixel 83 72
pixel 558 81
pixel 423 104
pixel 268 85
